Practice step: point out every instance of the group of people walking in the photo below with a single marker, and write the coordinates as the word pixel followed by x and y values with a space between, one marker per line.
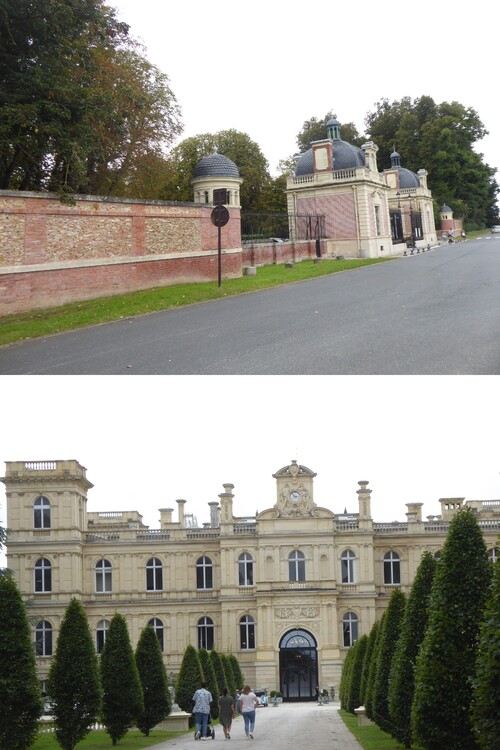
pixel 245 703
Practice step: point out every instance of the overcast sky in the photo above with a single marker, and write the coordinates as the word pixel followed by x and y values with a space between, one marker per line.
pixel 265 67
pixel 147 442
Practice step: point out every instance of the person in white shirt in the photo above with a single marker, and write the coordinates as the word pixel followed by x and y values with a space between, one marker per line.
pixel 201 709
pixel 249 703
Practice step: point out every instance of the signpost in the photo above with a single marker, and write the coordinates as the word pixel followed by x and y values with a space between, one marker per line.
pixel 219 218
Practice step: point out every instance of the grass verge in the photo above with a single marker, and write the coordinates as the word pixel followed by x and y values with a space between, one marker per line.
pixel 371 737
pixel 106 309
pixel 100 740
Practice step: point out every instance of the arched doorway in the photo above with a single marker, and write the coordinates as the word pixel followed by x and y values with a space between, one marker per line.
pixel 298 665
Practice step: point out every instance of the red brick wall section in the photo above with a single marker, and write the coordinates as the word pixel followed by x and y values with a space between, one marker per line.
pixel 263 254
pixel 53 253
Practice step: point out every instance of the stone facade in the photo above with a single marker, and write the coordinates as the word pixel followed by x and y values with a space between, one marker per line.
pixel 286 591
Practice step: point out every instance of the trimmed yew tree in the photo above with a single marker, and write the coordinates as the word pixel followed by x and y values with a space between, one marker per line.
pixel 353 699
pixel 239 678
pixel 372 638
pixel 402 677
pixel 372 670
pixel 446 664
pixel 235 679
pixel 20 698
pixel 154 682
pixel 211 680
pixel 486 707
pixel 122 691
pixel 189 679
pixel 391 630
pixel 74 685
pixel 345 678
pixel 218 667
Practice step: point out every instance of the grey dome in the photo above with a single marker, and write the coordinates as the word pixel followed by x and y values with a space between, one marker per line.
pixel 408 179
pixel 345 155
pixel 216 165
pixel 446 209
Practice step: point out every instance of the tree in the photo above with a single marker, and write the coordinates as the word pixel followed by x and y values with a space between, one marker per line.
pixel 122 693
pixel 402 677
pixel 353 699
pixel 346 677
pixel 446 663
pixel 245 153
pixel 189 680
pixel 211 680
pixel 79 102
pixel 372 670
pixel 239 678
pixel 235 678
pixel 73 685
pixel 389 637
pixel 20 697
pixel 153 677
pixel 486 705
pixel 372 639
pixel 439 138
pixel 219 671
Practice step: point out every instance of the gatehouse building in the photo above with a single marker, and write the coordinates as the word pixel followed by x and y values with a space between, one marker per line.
pixel 288 591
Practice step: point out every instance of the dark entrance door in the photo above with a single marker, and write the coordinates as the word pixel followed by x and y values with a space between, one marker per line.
pixel 298 666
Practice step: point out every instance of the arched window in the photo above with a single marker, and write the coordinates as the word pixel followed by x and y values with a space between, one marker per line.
pixel 101 632
pixel 349 628
pixel 392 569
pixel 157 626
pixel 43 638
pixel 154 575
pixel 347 571
pixel 205 633
pixel 204 573
pixel 247 632
pixel 437 555
pixel 41 513
pixel 493 554
pixel 245 570
pixel 43 576
pixel 103 577
pixel 296 566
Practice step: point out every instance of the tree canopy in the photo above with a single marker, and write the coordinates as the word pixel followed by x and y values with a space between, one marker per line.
pixel 80 106
pixel 153 677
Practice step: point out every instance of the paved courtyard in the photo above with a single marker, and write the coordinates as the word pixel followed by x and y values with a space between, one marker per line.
pixel 303 725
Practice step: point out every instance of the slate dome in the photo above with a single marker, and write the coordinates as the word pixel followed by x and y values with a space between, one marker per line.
pixel 345 155
pixel 408 179
pixel 216 165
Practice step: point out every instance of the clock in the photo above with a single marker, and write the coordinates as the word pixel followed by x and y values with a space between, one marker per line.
pixel 295 496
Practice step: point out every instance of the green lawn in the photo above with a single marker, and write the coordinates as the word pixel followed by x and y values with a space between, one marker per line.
pixel 100 740
pixel 82 314
pixel 371 737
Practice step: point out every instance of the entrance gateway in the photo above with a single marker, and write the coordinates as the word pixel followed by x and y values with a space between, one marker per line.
pixel 298 665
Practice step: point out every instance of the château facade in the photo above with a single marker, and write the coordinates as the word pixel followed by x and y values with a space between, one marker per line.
pixel 287 591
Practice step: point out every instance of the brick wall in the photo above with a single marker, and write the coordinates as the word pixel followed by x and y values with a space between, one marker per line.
pixel 263 254
pixel 52 253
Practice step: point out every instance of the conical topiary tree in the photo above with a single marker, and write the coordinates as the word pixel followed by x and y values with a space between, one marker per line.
pixel 372 670
pixel 219 670
pixel 153 677
pixel 372 638
pixel 232 667
pixel 391 630
pixel 353 699
pixel 20 698
pixel 441 714
pixel 122 692
pixel 238 676
pixel 189 679
pixel 345 678
pixel 402 677
pixel 486 705
pixel 211 681
pixel 74 684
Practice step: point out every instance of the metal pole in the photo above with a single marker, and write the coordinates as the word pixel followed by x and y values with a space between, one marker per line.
pixel 219 255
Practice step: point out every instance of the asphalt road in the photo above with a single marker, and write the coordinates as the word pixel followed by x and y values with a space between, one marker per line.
pixel 436 312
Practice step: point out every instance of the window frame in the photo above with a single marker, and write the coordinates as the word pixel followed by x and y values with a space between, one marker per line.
pixel 392 568
pixel 350 629
pixel 204 573
pixel 154 574
pixel 43 576
pixel 159 630
pixel 43 638
pixel 101 632
pixel 205 629
pixel 247 633
pixel 42 513
pixel 103 570
pixel 296 566
pixel 348 566
pixel 245 569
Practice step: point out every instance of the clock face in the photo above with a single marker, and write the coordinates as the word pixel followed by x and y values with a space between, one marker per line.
pixel 295 496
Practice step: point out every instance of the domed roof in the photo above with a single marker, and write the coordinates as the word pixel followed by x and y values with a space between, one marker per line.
pixel 216 165
pixel 408 179
pixel 345 156
pixel 446 209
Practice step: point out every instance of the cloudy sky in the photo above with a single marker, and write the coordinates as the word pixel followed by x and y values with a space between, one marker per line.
pixel 267 66
pixel 147 442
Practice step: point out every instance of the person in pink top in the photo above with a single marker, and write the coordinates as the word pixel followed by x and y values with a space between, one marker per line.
pixel 249 702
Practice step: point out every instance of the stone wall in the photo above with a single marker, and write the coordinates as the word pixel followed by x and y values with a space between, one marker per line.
pixel 53 253
pixel 268 253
